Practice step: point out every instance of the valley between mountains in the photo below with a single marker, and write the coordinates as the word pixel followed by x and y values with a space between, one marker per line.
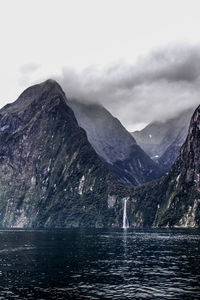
pixel 68 164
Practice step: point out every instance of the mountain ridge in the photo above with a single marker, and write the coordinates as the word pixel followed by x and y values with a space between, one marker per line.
pixel 162 140
pixel 174 200
pixel 115 145
pixel 51 177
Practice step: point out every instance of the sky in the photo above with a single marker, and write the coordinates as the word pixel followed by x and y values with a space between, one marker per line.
pixel 138 58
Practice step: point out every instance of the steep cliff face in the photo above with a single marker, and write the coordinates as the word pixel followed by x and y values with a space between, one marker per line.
pixel 115 145
pixel 175 199
pixel 170 154
pixel 49 173
pixel 181 206
pixel 162 140
pixel 50 176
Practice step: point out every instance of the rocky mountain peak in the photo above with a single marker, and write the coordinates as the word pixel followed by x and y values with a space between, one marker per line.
pixel 162 140
pixel 33 101
pixel 35 95
pixel 115 145
pixel 49 173
pixel 188 162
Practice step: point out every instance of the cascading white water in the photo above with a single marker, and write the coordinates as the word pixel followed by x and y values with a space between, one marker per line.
pixel 125 219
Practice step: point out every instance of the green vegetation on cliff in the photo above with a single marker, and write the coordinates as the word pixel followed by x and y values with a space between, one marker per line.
pixel 50 176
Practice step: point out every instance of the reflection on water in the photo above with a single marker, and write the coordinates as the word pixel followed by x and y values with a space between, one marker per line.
pixel 100 264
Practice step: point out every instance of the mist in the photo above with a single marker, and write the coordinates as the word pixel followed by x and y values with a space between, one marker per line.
pixel 157 87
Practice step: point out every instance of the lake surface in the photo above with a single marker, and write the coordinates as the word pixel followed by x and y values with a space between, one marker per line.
pixel 100 264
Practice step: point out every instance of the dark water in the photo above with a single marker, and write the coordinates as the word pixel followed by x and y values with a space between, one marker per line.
pixel 100 264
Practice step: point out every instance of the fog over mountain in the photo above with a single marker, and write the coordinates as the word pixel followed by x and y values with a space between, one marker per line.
pixel 163 140
pixel 115 145
pixel 51 177
pixel 159 86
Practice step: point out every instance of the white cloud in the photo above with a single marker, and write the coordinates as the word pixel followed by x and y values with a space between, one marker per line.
pixel 158 87
pixel 53 34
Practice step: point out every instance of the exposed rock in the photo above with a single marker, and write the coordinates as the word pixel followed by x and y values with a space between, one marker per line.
pixel 50 176
pixel 111 201
pixel 162 140
pixel 115 145
pixel 175 199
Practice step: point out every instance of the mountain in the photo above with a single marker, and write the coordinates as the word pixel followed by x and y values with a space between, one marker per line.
pixel 162 140
pixel 170 154
pixel 115 145
pixel 175 199
pixel 50 176
pixel 181 204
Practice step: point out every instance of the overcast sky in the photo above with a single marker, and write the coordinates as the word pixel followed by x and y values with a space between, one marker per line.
pixel 140 59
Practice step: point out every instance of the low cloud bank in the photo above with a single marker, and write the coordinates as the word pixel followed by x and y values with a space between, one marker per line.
pixel 157 87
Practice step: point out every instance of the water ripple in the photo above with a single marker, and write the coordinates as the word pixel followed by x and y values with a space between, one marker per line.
pixel 100 264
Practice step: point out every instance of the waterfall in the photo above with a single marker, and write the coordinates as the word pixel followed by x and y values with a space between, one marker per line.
pixel 125 219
